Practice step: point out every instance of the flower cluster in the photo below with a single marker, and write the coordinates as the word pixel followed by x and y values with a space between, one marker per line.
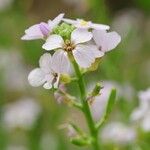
pixel 78 40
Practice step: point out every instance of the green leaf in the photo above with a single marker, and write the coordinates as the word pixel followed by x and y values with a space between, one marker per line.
pixel 111 102
pixel 109 107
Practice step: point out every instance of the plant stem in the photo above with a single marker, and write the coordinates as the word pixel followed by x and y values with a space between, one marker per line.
pixel 86 109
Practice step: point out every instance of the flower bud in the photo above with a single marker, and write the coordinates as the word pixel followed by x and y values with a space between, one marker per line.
pixel 81 141
pixel 95 92
pixel 64 30
pixel 96 89
pixel 65 78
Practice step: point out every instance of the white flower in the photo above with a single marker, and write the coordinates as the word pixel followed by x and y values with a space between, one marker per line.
pixel 106 41
pixel 42 30
pixel 50 69
pixel 84 54
pixel 82 24
pixel 118 133
pixel 142 113
pixel 22 114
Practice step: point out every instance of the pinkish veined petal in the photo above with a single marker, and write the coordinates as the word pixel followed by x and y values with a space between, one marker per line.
pixel 36 77
pixel 53 23
pixel 60 62
pixel 44 28
pixel 47 85
pixel 99 26
pixel 53 42
pixel 94 49
pixel 82 24
pixel 106 41
pixel 33 33
pixel 45 62
pixel 81 36
pixel 70 21
pixel 49 77
pixel 84 56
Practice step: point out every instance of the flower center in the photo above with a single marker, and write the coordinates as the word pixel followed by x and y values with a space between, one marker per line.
pixel 68 46
pixel 83 23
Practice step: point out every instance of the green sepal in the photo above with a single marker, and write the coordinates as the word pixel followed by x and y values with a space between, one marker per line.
pixel 65 78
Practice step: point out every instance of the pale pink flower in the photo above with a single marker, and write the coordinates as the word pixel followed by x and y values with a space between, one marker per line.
pixel 42 30
pixel 50 69
pixel 84 54
pixel 82 24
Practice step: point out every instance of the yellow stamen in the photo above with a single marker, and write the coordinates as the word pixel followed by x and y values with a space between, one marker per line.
pixel 83 23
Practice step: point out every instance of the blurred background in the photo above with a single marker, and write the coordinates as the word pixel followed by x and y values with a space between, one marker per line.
pixel 30 117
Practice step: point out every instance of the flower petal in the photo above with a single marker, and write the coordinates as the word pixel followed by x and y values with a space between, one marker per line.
pixel 36 77
pixel 99 26
pixel 44 28
pixel 84 56
pixel 53 42
pixel 47 85
pixel 106 41
pixel 81 36
pixel 53 23
pixel 82 24
pixel 70 21
pixel 96 52
pixel 45 62
pixel 60 62
pixel 33 33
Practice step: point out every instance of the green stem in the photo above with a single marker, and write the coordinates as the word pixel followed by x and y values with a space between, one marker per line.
pixel 86 109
